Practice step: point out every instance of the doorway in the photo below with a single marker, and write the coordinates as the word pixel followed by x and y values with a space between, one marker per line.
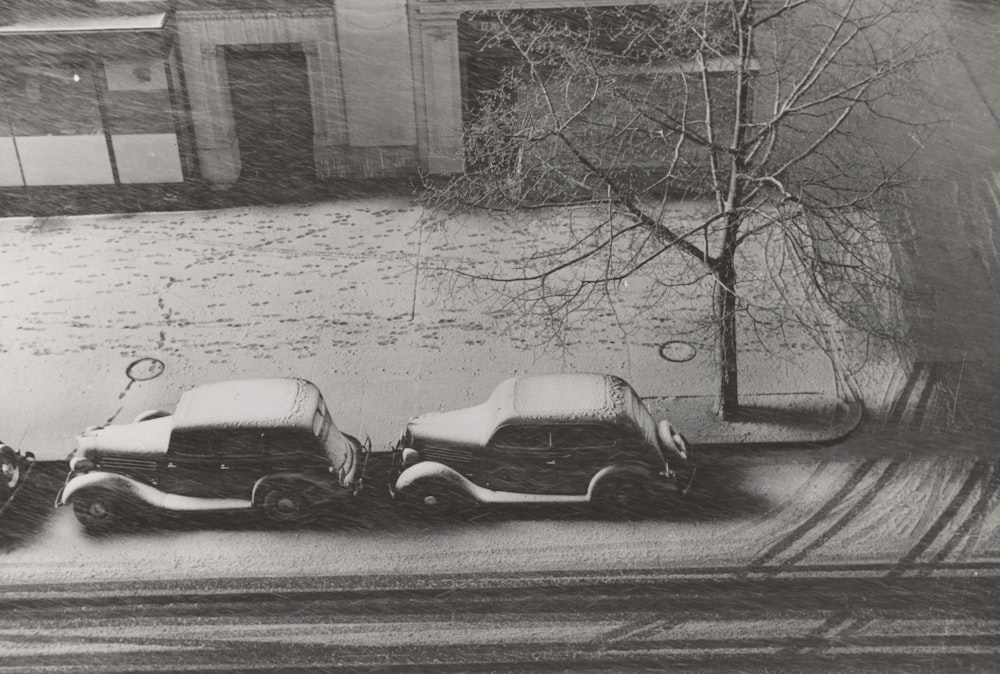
pixel 272 110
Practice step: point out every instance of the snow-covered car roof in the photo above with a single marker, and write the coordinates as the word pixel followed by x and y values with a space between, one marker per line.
pixel 554 398
pixel 560 397
pixel 248 403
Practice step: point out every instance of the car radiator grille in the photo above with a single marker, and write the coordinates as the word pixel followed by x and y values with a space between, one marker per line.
pixel 127 464
pixel 447 455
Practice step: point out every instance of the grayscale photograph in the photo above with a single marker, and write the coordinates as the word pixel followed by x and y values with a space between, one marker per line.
pixel 499 336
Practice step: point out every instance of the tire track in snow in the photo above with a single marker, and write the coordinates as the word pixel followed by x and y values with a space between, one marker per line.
pixel 978 473
pixel 860 506
pixel 971 526
pixel 799 532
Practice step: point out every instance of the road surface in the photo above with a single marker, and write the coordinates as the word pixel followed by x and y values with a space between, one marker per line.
pixel 925 625
pixel 878 552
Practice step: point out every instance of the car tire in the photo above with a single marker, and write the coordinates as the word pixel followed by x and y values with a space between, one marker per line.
pixel 286 503
pixel 436 498
pixel 625 496
pixel 10 470
pixel 99 510
pixel 673 441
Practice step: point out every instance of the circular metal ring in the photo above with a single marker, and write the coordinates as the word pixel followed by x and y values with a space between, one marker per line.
pixel 677 351
pixel 144 369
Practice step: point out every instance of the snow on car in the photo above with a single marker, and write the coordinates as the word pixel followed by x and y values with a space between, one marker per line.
pixel 255 444
pixel 560 438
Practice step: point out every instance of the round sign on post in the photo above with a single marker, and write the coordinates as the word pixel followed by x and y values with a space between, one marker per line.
pixel 144 369
pixel 141 369
pixel 677 351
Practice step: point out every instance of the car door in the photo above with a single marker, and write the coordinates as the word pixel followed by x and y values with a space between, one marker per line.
pixel 191 466
pixel 581 450
pixel 519 458
pixel 256 453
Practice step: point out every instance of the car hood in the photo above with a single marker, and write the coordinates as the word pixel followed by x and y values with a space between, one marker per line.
pixel 144 438
pixel 467 426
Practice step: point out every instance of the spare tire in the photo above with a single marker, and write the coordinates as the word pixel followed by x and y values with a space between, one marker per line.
pixel 672 442
pixel 10 469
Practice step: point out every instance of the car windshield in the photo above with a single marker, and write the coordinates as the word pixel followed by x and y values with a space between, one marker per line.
pixel 338 448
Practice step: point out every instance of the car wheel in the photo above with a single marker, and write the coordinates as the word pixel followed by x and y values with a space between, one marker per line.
pixel 286 504
pixel 624 496
pixel 672 441
pixel 98 510
pixel 10 470
pixel 436 498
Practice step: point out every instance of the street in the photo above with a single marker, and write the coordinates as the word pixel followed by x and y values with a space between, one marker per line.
pixel 865 555
pixel 598 625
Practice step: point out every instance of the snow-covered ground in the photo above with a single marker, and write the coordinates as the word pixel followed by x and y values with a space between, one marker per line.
pixel 344 294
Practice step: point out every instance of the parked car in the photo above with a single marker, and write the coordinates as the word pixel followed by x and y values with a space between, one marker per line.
pixel 13 467
pixel 561 438
pixel 263 444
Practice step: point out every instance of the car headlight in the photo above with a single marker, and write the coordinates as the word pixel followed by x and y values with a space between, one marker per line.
pixel 410 456
pixel 81 464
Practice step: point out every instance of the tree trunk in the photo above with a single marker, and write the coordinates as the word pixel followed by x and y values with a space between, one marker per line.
pixel 728 400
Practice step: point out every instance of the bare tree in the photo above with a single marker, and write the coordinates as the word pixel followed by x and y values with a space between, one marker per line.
pixel 773 113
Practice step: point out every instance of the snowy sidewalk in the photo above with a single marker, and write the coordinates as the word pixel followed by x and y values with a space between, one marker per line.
pixel 765 420
pixel 336 292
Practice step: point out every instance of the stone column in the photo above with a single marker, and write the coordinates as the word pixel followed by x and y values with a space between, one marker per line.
pixel 439 94
pixel 329 125
pixel 212 116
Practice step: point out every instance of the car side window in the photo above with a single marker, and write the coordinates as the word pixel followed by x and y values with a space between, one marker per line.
pixel 277 441
pixel 240 443
pixel 585 436
pixel 522 437
pixel 194 443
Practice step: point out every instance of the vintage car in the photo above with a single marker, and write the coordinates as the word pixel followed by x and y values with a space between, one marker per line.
pixel 13 466
pixel 264 444
pixel 561 438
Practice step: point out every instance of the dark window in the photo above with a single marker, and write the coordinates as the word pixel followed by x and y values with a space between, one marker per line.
pixel 194 443
pixel 52 100
pixel 522 437
pixel 279 441
pixel 239 443
pixel 586 436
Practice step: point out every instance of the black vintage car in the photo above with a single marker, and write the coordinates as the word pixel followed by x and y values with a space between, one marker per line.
pixel 263 444
pixel 562 438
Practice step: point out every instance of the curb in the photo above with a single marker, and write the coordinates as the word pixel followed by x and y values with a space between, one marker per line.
pixel 845 421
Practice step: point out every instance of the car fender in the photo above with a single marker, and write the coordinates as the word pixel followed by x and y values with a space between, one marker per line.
pixel 150 414
pixel 323 487
pixel 113 481
pixel 634 470
pixel 432 470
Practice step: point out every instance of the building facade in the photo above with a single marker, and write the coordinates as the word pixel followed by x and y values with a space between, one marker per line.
pixel 89 100
pixel 214 92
